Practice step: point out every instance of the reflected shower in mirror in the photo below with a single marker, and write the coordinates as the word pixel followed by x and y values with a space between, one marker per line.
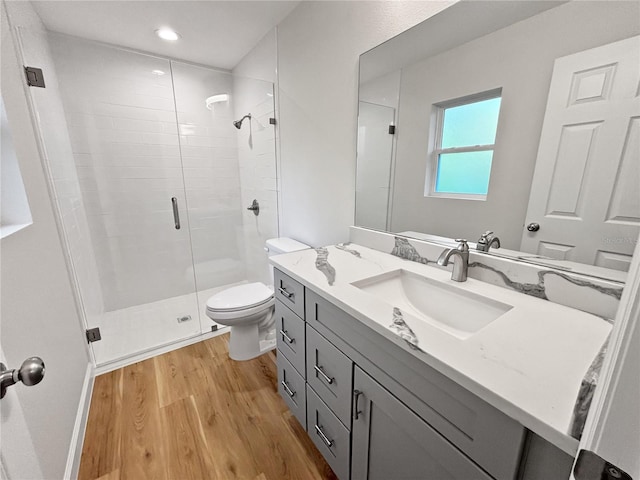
pixel 497 115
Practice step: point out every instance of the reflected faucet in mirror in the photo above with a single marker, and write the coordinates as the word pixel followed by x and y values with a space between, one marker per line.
pixel 487 240
pixel 460 264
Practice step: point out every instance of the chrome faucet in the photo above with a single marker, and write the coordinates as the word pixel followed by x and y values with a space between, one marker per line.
pixel 486 241
pixel 460 264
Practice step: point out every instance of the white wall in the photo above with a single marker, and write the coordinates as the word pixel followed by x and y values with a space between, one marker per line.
pixel 38 311
pixel 318 48
pixel 519 59
pixel 260 62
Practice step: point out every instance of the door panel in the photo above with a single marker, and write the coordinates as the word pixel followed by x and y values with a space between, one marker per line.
pixel 18 459
pixel 390 441
pixel 585 192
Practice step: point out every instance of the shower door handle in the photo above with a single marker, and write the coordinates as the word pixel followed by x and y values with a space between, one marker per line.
pixel 176 214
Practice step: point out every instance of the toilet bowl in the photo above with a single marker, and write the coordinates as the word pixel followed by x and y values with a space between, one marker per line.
pixel 248 309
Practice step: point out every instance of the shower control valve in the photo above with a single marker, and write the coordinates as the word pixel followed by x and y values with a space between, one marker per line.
pixel 254 207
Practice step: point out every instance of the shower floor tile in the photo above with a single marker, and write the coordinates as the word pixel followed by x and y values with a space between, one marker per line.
pixel 133 330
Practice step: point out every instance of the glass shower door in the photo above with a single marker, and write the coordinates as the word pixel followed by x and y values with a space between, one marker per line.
pixel 124 188
pixel 227 142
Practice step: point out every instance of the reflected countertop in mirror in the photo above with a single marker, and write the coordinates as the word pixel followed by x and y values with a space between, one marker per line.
pixel 565 154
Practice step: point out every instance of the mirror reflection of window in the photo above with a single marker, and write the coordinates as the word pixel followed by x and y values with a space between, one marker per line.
pixel 465 134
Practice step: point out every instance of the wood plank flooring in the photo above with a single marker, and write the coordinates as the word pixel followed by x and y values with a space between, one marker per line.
pixel 195 414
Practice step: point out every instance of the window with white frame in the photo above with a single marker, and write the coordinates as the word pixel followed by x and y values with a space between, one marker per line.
pixel 464 139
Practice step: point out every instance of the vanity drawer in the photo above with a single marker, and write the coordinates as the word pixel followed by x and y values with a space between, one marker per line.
pixel 289 292
pixel 328 434
pixel 290 336
pixel 292 389
pixel 330 373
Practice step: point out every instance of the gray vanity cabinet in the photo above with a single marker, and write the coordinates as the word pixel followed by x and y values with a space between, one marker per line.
pixel 289 292
pixel 329 434
pixel 389 441
pixel 290 336
pixel 291 354
pixel 292 389
pixel 329 373
pixel 377 412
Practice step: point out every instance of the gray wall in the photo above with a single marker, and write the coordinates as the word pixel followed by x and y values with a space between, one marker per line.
pixel 318 48
pixel 520 60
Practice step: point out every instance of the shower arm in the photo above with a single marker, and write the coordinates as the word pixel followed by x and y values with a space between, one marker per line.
pixel 238 123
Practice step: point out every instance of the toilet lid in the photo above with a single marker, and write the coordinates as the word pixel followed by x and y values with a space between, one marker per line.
pixel 240 297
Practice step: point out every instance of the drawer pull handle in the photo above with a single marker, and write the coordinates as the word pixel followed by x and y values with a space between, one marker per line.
pixel 324 375
pixel 287 337
pixel 284 292
pixel 287 389
pixel 327 442
pixel 356 397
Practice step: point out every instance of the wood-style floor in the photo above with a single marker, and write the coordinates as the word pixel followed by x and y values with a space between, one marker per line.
pixel 195 414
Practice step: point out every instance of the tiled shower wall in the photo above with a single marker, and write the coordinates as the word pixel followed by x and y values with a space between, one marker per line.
pixel 208 143
pixel 126 145
pixel 257 162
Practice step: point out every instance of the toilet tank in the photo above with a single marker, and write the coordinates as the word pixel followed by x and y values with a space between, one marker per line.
pixel 276 246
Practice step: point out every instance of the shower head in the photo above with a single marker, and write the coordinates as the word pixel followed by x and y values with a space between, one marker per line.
pixel 238 123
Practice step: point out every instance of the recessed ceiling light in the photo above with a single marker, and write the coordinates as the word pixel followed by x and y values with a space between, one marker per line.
pixel 167 34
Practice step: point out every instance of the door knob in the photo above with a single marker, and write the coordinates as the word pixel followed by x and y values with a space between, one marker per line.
pixel 533 227
pixel 31 372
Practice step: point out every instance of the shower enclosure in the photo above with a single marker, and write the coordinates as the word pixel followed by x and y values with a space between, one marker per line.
pixel 152 185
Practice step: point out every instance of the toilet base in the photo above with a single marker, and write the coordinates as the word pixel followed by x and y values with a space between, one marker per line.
pixel 245 342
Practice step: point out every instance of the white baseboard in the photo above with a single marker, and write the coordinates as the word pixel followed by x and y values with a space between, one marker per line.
pixel 123 362
pixel 77 438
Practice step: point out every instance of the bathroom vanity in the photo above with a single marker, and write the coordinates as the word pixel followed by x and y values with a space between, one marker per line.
pixel 385 394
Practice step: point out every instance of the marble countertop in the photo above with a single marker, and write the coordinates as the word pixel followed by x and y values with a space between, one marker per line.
pixel 529 363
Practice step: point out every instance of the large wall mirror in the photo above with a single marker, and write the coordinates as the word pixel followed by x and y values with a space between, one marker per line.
pixel 517 117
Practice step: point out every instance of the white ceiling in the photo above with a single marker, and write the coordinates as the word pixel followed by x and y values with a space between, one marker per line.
pixel 215 33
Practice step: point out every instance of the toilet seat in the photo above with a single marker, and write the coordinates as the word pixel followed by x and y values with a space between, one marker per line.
pixel 240 301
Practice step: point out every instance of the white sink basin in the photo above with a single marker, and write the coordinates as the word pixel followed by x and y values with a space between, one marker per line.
pixel 454 310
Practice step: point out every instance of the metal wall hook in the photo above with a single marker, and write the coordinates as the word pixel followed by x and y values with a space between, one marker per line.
pixel 31 372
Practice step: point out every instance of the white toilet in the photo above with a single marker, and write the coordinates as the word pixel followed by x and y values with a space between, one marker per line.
pixel 248 309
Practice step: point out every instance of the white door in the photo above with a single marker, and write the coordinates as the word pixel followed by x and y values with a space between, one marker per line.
pixel 612 429
pixel 585 192
pixel 18 459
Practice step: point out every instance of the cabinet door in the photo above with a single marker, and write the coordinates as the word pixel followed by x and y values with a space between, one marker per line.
pixel 390 441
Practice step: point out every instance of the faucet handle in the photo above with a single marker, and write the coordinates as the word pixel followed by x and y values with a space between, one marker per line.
pixel 463 246
pixel 487 233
